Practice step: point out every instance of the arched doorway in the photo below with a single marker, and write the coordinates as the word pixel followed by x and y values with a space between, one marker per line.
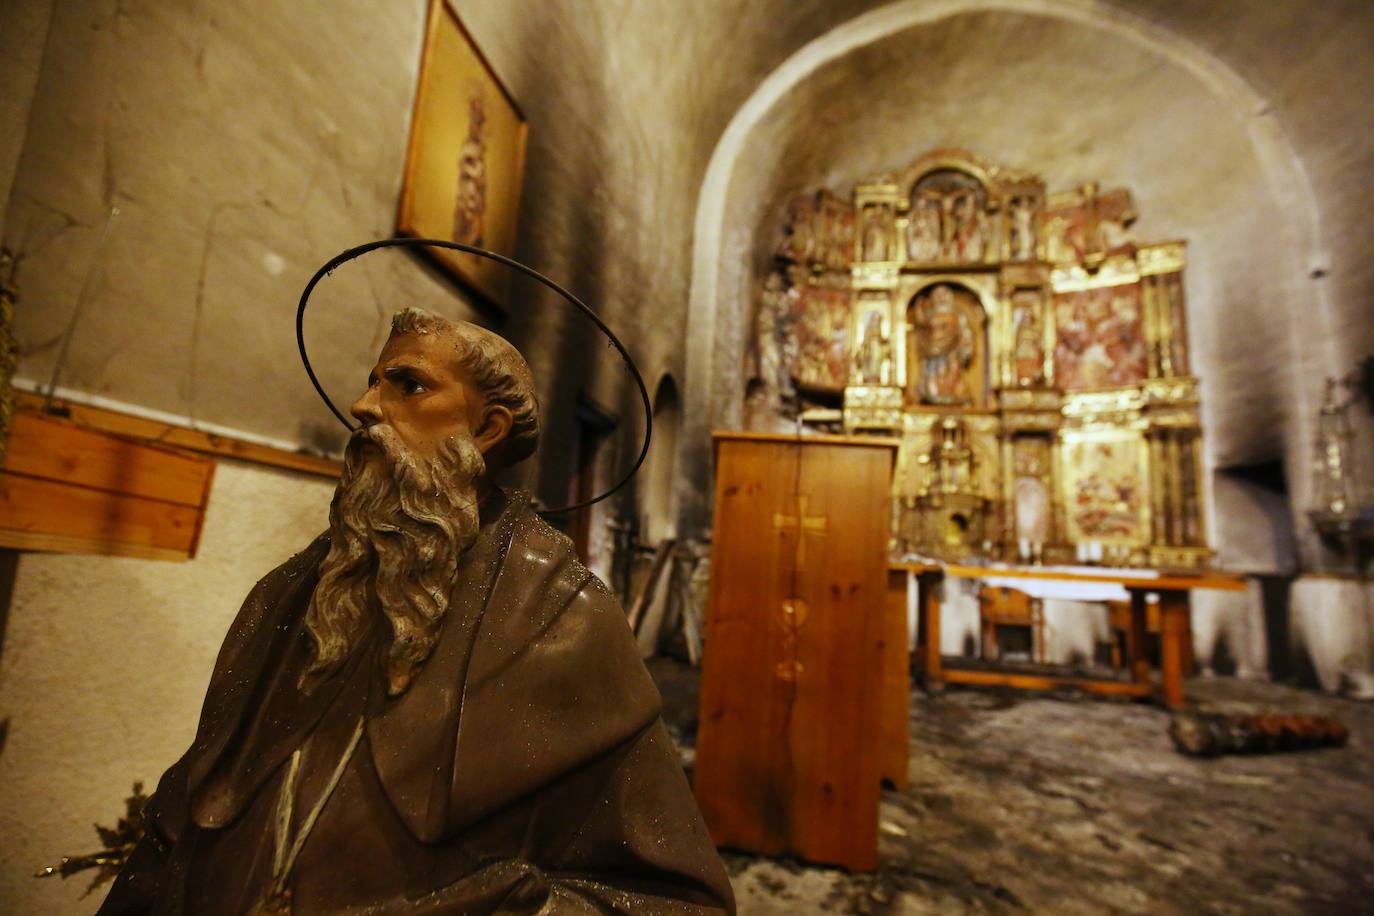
pixel 658 508
pixel 844 75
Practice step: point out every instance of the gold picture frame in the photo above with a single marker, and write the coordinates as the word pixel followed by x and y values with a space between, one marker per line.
pixel 466 157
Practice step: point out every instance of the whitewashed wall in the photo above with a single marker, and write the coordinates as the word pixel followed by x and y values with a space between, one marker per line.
pixel 104 667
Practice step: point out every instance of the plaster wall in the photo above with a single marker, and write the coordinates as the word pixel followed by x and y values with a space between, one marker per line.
pixel 104 666
pixel 625 100
pixel 1072 628
pixel 23 32
pixel 1252 528
pixel 186 167
pixel 1231 625
pixel 1332 625
pixel 1311 65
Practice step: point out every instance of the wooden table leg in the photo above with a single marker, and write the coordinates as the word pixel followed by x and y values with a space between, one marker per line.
pixel 929 585
pixel 1173 637
pixel 1136 641
pixel 896 682
pixel 1189 656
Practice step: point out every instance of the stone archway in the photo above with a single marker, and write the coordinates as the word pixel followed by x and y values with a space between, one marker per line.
pixel 735 194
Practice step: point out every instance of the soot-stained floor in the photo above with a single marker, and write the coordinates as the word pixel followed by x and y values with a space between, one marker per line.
pixel 1068 805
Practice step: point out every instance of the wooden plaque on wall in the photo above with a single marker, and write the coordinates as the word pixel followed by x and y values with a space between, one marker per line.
pixel 790 737
pixel 67 489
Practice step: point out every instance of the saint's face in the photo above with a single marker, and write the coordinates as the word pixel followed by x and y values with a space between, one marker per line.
pixel 419 390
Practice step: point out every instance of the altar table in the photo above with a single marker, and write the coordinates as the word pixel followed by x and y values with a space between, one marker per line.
pixel 1173 589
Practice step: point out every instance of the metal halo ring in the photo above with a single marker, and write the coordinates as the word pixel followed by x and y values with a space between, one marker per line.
pixel 344 257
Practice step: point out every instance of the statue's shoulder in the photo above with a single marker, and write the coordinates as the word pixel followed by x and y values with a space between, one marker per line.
pixel 273 602
pixel 544 561
pixel 296 565
pixel 533 540
pixel 311 555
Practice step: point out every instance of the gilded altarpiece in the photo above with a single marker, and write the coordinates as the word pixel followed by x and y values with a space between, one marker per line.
pixel 1029 353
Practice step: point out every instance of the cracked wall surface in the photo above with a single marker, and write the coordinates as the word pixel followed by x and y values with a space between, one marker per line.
pixel 186 168
pixel 23 34
pixel 105 665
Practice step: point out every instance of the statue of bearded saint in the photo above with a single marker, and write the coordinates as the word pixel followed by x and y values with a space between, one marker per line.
pixel 944 349
pixel 470 207
pixel 434 707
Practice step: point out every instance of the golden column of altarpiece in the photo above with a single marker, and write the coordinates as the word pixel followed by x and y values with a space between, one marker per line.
pixel 1029 353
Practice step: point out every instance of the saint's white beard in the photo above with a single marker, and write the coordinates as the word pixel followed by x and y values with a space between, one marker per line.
pixel 397 530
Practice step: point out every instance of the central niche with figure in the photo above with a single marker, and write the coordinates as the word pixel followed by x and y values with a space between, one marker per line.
pixel 947 347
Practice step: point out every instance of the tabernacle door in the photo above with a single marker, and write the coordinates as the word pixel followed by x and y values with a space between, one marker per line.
pixel 790 739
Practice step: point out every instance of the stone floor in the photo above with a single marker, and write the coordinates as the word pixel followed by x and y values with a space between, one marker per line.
pixel 1065 805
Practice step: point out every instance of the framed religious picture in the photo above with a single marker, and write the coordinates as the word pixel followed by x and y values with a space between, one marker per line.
pixel 466 156
pixel 1106 486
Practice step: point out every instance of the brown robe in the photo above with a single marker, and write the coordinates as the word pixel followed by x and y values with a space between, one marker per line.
pixel 526 769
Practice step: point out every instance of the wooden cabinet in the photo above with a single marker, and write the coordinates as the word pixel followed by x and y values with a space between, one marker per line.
pixel 789 751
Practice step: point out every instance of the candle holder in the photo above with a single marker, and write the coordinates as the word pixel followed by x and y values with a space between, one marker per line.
pixel 1344 513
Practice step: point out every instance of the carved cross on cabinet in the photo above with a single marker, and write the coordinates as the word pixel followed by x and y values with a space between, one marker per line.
pixel 794 610
pixel 800 525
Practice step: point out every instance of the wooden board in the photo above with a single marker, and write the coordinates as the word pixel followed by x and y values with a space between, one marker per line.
pixel 50 448
pixel 128 426
pixel 1212 579
pixel 873 441
pixel 74 490
pixel 1044 682
pixel 790 739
